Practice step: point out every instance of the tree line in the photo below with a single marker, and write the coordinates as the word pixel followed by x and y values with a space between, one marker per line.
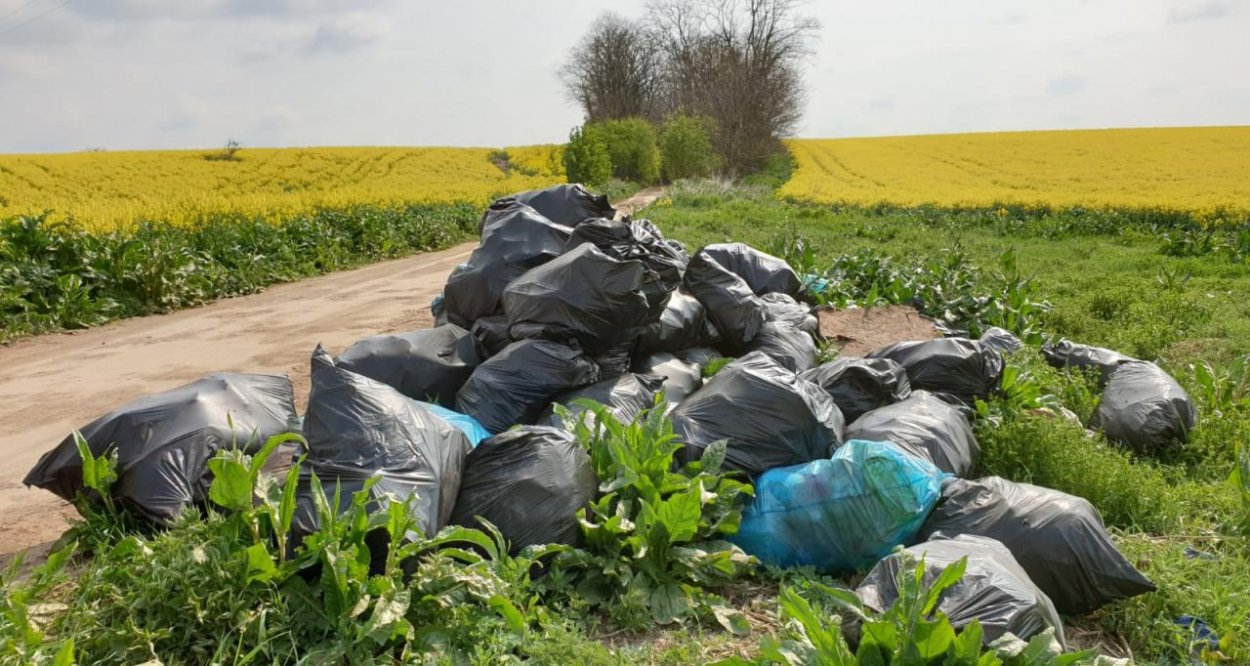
pixel 726 70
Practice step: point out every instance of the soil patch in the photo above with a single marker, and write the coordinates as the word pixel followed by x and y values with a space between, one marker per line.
pixel 857 332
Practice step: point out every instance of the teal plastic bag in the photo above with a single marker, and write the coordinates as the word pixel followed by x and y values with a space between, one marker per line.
pixel 467 424
pixel 840 514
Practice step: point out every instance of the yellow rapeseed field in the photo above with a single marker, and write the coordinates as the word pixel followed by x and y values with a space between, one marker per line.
pixel 1198 169
pixel 104 190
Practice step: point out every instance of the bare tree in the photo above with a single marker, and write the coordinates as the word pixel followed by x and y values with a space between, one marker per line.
pixel 614 72
pixel 738 61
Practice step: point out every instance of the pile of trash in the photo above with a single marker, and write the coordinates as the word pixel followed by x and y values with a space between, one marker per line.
pixel 562 301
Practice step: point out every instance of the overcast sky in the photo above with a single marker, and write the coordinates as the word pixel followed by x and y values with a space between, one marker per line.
pixel 124 74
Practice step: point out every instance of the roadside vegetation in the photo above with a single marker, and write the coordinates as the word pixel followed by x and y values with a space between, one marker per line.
pixel 58 275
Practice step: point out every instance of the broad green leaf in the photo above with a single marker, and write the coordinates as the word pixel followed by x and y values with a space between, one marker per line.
pixel 966 650
pixel 845 599
pixel 933 639
pixel 387 621
pixel 950 575
pixel 260 566
pixel 714 456
pixel 680 514
pixel 100 473
pixel 508 611
pixel 232 485
pixel 668 603
pixel 286 507
pixel 732 620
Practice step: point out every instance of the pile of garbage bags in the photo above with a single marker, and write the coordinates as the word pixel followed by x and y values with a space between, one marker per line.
pixel 562 303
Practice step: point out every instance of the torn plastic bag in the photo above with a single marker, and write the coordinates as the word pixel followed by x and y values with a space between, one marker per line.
pixel 491 335
pixel 467 424
pixel 680 378
pixel 1059 539
pixel 860 385
pixel 842 513
pixel 641 241
pixel 515 385
pixel 1001 340
pixel 783 309
pixel 786 345
pixel 1144 408
pixel 924 426
pixel 770 417
pixel 584 294
pixel 733 308
pixel 1068 354
pixel 515 238
pixel 625 396
pixel 682 325
pixel 564 204
pixel 358 429
pixel 763 273
pixel 529 482
pixel 430 364
pixel 960 367
pixel 164 441
pixel 994 590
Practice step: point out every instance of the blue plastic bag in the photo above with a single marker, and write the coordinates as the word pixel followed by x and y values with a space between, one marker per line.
pixel 839 514
pixel 467 424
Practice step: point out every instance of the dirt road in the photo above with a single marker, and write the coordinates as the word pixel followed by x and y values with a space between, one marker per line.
pixel 52 384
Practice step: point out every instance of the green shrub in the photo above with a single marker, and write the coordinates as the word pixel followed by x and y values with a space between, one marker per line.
pixel 686 149
pixel 632 149
pixel 586 157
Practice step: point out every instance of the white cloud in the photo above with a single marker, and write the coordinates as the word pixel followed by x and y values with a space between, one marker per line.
pixel 158 74
pixel 346 33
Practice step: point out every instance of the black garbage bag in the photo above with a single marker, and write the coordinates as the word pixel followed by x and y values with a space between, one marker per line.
pixel 515 385
pixel 733 308
pixel 529 482
pixel 994 590
pixel 959 367
pixel 860 385
pixel 584 294
pixel 1144 408
pixel 763 272
pixel 1068 354
pixel 783 309
pixel 491 335
pixel 924 426
pixel 564 204
pixel 682 325
pixel 641 241
pixel 680 377
pixel 438 309
pixel 699 356
pixel 164 441
pixel 770 416
pixel 515 238
pixel 786 345
pixel 616 352
pixel 625 396
pixel 358 429
pixel 430 365
pixel 1059 539
pixel 1001 340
